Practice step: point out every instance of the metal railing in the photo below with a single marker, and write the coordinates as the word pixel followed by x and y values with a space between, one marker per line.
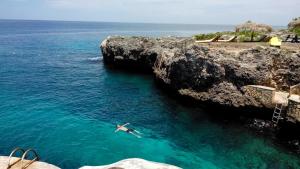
pixel 9 165
pixel 36 158
pixel 23 158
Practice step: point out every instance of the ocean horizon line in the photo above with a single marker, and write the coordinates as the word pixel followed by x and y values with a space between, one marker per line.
pixel 120 22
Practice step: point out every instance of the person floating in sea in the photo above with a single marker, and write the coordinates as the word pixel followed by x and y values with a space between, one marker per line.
pixel 128 130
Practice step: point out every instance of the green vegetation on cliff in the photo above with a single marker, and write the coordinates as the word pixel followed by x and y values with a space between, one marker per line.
pixel 208 35
pixel 296 31
pixel 242 36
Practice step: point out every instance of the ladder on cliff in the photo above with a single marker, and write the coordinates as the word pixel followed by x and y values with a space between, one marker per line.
pixel 277 113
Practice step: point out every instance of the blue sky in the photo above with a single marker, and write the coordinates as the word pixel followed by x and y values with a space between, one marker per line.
pixel 275 12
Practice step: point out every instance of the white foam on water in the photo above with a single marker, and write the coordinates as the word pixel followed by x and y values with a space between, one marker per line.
pixel 95 59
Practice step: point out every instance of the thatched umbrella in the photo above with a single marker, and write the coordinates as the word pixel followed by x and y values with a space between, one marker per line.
pixel 295 23
pixel 250 26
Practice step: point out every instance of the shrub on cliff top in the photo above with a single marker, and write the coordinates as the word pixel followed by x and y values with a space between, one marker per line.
pixel 296 31
pixel 206 36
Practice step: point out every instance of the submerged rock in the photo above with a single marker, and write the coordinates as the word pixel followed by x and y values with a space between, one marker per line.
pixel 134 163
pixel 206 72
pixel 262 126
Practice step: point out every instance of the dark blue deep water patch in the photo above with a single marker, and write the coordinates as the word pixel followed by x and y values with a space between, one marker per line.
pixel 57 97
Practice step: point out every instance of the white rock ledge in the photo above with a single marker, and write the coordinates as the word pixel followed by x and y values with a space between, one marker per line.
pixel 35 165
pixel 133 163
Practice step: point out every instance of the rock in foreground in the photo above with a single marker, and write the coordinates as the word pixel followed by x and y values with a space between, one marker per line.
pixel 207 72
pixel 134 163
pixel 35 165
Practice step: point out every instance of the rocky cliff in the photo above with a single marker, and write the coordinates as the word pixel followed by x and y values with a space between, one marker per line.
pixel 215 73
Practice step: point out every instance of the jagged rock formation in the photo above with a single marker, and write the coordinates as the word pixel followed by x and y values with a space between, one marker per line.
pixel 204 72
pixel 133 163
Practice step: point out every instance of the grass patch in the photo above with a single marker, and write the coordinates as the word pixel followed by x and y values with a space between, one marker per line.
pixel 205 36
pixel 248 33
pixel 211 35
pixel 296 31
pixel 242 36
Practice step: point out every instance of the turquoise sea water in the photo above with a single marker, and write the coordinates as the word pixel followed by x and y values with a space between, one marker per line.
pixel 57 97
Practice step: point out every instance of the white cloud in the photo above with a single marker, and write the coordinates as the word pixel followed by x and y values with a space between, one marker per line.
pixel 179 11
pixel 74 3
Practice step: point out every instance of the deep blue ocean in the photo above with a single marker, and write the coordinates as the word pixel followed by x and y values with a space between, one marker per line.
pixel 57 97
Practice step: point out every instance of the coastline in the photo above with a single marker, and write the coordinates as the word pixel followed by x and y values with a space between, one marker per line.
pixel 75 100
pixel 226 70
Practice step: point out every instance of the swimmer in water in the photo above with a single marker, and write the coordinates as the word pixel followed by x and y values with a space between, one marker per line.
pixel 128 130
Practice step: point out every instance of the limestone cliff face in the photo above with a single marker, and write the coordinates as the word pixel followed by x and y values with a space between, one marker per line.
pixel 206 72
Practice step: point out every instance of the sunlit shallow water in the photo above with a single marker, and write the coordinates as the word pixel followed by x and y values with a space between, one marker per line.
pixel 57 97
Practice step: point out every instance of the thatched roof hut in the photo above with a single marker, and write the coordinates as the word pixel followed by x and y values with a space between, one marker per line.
pixel 295 23
pixel 252 26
